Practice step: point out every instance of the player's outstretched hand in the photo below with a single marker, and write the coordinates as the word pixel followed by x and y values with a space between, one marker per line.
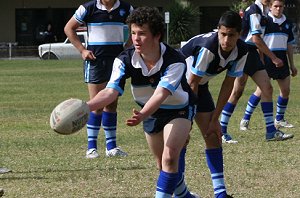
pixel 136 118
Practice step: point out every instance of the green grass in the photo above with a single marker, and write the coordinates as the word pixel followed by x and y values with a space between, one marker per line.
pixel 46 164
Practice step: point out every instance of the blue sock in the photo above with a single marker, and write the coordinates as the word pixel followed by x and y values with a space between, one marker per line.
pixel 281 107
pixel 93 127
pixel 214 158
pixel 181 190
pixel 109 124
pixel 267 108
pixel 225 116
pixel 166 184
pixel 251 105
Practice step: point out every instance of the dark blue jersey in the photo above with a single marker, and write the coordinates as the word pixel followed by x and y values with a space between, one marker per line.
pixel 169 73
pixel 254 22
pixel 105 28
pixel 278 35
pixel 204 58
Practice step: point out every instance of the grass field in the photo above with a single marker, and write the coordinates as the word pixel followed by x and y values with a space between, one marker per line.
pixel 47 165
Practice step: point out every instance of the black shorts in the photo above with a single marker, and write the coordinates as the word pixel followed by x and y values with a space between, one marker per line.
pixel 162 117
pixel 205 102
pixel 277 72
pixel 253 62
pixel 98 71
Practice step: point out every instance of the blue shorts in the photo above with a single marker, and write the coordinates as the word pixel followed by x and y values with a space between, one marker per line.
pixel 205 102
pixel 162 117
pixel 253 62
pixel 98 71
pixel 278 72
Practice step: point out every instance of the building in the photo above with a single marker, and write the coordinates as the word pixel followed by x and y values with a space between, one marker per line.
pixel 28 19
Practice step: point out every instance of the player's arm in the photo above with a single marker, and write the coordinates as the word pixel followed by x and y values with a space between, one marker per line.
pixel 223 97
pixel 103 98
pixel 194 81
pixel 261 45
pixel 70 31
pixel 290 55
pixel 160 94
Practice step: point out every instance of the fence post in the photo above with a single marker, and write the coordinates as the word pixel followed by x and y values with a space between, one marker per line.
pixel 9 50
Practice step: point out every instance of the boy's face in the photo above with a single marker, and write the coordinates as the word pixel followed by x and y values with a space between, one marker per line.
pixel 277 8
pixel 142 38
pixel 227 38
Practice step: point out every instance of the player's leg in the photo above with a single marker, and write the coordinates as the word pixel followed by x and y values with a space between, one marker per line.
pixel 252 103
pixel 109 124
pixel 263 82
pixel 175 135
pixel 237 91
pixel 157 139
pixel 213 151
pixel 94 123
pixel 166 147
pixel 181 190
pixel 214 154
pixel 109 114
pixel 282 103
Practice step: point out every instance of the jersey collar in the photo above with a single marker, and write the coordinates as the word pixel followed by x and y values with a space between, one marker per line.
pixel 137 62
pixel 102 7
pixel 280 20
pixel 233 55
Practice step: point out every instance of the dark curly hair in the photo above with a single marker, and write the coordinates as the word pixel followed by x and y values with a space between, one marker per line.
pixel 150 16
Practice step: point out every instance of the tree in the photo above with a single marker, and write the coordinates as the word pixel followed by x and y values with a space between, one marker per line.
pixel 182 17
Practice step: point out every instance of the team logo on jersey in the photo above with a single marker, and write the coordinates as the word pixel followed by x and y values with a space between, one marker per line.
pixel 219 69
pixel 287 26
pixel 122 12
pixel 151 80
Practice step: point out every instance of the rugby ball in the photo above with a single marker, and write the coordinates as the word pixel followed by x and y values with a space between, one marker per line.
pixel 69 116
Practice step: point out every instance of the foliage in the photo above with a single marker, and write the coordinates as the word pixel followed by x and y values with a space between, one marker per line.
pixel 239 5
pixel 181 21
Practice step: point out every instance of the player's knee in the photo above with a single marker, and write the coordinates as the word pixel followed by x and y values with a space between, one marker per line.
pixel 285 92
pixel 99 111
pixel 267 90
pixel 170 161
pixel 212 140
pixel 169 158
pixel 111 107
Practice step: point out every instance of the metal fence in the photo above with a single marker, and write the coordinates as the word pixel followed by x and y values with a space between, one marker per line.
pixel 12 50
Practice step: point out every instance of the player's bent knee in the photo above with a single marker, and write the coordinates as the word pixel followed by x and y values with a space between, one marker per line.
pixel 212 140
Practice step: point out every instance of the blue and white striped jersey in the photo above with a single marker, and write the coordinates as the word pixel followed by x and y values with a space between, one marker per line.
pixel 278 33
pixel 169 73
pixel 254 22
pixel 204 58
pixel 105 28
